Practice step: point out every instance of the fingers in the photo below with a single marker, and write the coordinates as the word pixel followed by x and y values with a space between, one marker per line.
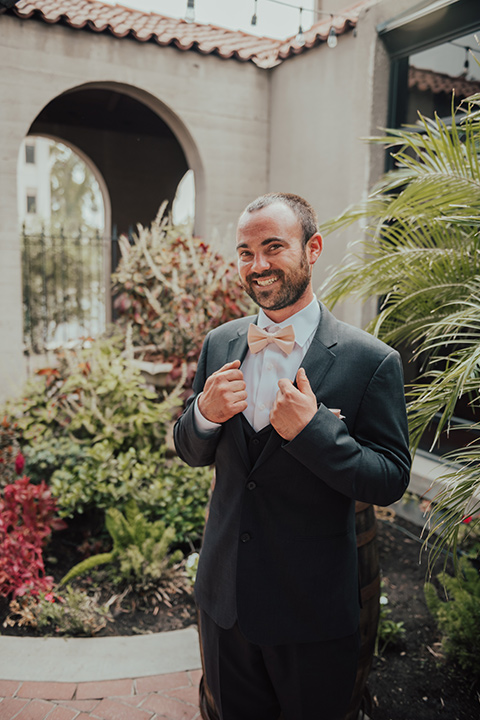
pixel 285 385
pixel 234 365
pixel 294 407
pixel 229 371
pixel 303 382
pixel 224 394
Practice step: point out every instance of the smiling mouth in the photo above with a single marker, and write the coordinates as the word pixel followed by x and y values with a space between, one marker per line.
pixel 266 282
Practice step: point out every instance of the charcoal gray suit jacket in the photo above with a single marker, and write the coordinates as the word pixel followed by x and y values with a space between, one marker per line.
pixel 279 552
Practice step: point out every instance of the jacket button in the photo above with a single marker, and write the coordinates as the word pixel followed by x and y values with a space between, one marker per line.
pixel 245 537
pixel 251 485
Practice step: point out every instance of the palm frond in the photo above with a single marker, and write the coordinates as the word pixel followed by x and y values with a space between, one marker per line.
pixel 419 253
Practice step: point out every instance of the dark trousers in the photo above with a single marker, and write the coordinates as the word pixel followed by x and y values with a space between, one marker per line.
pixel 305 681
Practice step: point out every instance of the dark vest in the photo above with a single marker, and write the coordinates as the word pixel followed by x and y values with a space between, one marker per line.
pixel 256 441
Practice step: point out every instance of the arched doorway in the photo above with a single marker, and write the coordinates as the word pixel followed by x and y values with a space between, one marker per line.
pixel 134 148
pixel 140 151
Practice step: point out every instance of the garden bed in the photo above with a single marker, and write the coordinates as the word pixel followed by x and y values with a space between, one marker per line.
pixel 412 681
pixel 168 606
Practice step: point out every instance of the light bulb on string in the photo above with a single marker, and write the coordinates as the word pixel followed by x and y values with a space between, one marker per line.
pixel 332 38
pixel 254 16
pixel 190 13
pixel 466 64
pixel 300 37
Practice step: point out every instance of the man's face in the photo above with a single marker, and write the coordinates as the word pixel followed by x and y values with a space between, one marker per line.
pixel 273 263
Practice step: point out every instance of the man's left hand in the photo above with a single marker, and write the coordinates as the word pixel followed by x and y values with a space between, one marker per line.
pixel 294 407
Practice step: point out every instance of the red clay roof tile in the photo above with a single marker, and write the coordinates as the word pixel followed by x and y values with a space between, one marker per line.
pixel 122 22
pixel 440 82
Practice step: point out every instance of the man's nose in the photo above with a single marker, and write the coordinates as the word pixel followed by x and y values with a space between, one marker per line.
pixel 260 263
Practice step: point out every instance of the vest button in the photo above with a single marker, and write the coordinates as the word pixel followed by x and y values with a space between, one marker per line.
pixel 255 441
pixel 245 537
pixel 251 485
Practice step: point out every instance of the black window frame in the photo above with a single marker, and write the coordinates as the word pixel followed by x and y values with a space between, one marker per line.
pixel 424 26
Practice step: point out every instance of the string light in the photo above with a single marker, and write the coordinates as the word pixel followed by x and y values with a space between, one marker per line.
pixel 190 12
pixel 254 16
pixel 300 38
pixel 332 39
pixel 468 51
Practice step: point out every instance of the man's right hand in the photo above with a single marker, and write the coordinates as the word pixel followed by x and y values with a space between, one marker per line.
pixel 224 394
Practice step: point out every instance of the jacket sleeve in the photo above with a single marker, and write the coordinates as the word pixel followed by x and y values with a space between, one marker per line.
pixel 371 463
pixel 195 448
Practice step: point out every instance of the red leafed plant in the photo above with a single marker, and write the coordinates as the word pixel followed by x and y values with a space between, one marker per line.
pixel 27 518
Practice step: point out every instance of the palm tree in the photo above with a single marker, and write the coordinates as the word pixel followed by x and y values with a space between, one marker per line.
pixel 422 257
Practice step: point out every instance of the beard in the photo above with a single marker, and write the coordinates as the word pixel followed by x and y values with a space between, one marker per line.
pixel 288 289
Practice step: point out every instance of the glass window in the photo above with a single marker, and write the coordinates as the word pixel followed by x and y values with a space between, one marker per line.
pixel 31 203
pixel 30 153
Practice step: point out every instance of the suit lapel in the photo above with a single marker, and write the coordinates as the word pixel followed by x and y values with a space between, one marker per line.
pixel 237 349
pixel 320 357
pixel 238 346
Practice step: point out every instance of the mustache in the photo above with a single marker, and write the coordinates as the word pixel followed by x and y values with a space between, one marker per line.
pixel 264 274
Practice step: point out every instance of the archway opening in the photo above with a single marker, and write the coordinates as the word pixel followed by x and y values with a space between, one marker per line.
pixel 139 163
pixel 136 152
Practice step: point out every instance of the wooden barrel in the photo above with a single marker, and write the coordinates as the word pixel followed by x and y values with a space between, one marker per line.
pixel 208 711
pixel 369 578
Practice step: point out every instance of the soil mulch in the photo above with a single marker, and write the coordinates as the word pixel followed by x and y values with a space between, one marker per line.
pixel 410 681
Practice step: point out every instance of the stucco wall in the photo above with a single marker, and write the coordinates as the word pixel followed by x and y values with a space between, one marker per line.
pixel 243 130
pixel 218 109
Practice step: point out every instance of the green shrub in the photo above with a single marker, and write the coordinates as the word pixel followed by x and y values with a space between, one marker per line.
pixel 458 616
pixel 179 495
pixel 75 613
pixel 162 487
pixel 94 394
pixel 140 548
pixel 97 435
pixel 79 614
pixel 48 454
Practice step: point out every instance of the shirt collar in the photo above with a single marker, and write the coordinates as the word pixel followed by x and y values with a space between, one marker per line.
pixel 304 322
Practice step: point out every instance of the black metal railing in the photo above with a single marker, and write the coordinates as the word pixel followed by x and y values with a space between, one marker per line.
pixel 66 287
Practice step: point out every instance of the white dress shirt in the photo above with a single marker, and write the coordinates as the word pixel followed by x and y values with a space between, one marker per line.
pixel 263 370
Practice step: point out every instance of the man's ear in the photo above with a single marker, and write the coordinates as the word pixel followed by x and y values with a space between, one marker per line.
pixel 314 248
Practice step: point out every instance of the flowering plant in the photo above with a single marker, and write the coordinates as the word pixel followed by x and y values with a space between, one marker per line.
pixel 172 288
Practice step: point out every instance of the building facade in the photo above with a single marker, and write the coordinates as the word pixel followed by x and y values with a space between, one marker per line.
pixel 145 98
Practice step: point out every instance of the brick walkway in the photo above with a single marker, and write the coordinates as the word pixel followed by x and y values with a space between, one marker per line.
pixel 172 696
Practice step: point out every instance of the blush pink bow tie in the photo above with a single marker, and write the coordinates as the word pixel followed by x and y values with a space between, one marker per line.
pixel 258 338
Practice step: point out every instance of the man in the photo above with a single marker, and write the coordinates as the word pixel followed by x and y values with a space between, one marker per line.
pixel 298 429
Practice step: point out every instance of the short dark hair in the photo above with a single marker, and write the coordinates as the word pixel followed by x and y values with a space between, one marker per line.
pixel 302 209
